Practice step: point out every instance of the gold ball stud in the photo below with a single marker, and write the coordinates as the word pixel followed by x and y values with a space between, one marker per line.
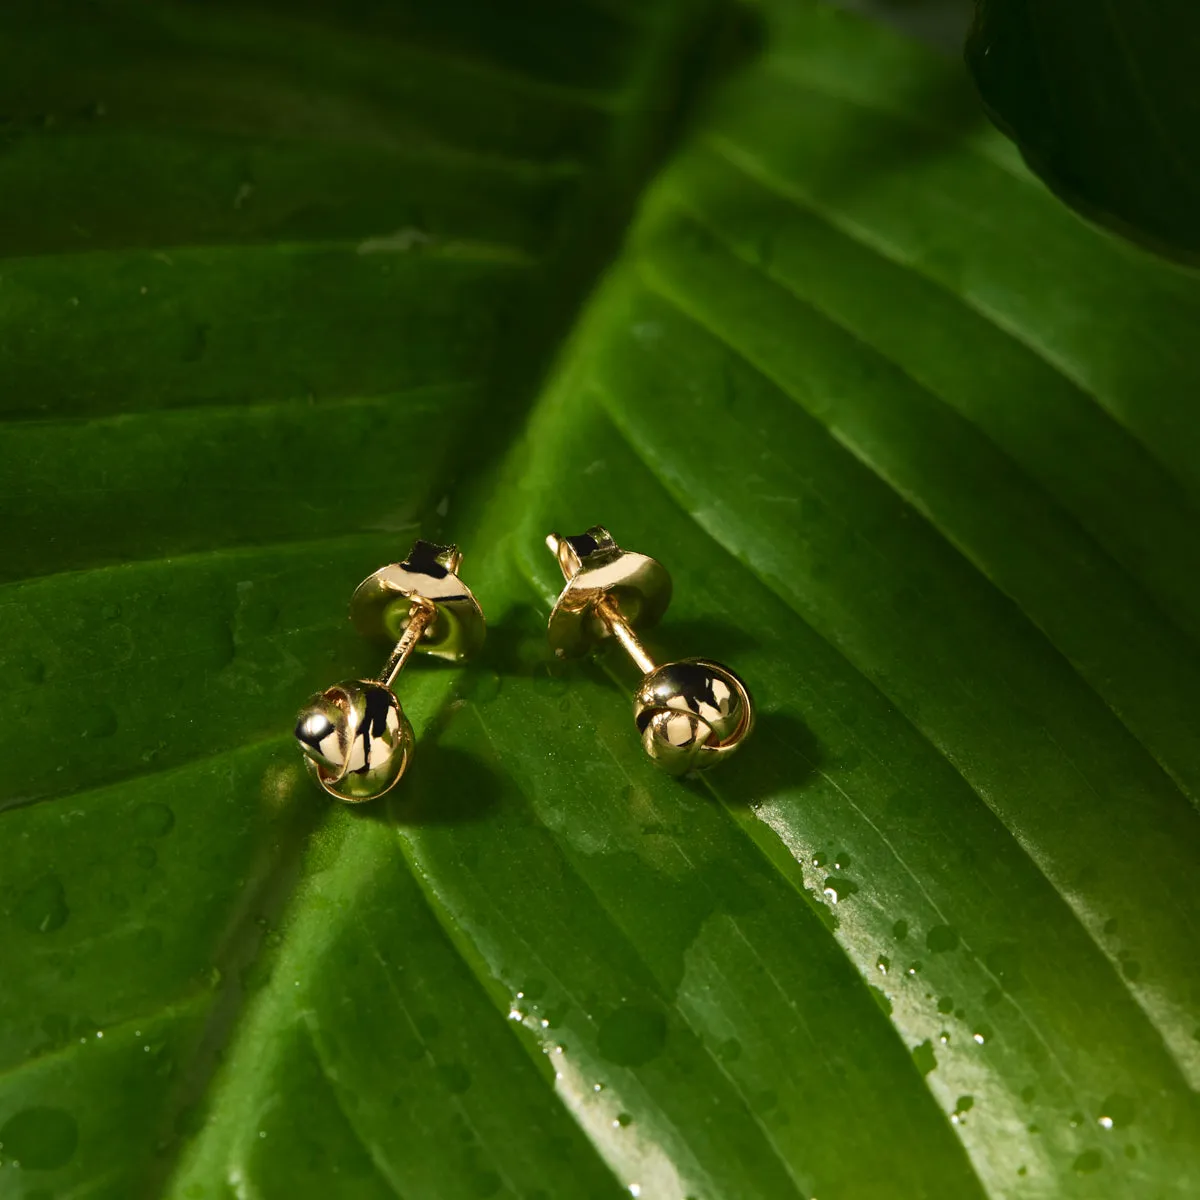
pixel 690 714
pixel 355 738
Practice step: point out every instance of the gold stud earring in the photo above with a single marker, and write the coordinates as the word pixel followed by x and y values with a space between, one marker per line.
pixel 690 714
pixel 355 737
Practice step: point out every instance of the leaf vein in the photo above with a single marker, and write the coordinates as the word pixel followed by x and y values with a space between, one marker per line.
pixel 1026 849
pixel 747 163
pixel 913 501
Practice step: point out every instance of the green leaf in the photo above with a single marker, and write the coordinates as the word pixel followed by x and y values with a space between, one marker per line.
pixel 915 444
pixel 1102 100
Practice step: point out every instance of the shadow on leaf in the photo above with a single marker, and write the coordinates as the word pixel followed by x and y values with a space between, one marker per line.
pixel 443 786
pixel 748 779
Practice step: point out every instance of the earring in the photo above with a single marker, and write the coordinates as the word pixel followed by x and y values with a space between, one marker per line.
pixel 690 714
pixel 355 737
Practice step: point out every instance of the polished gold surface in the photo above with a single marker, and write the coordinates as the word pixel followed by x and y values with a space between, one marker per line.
pixel 614 620
pixel 356 739
pixel 420 616
pixel 596 569
pixel 690 714
pixel 355 736
pixel 382 604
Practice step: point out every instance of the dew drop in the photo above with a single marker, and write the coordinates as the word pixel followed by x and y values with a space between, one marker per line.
pixel 838 888
pixel 41 1139
pixel 924 1057
pixel 946 1005
pixel 455 1077
pixel 97 721
pixel 632 1035
pixel 153 820
pixel 900 930
pixel 883 962
pixel 1088 1162
pixel 56 1027
pixel 941 938
pixel 1118 1110
pixel 28 669
pixel 486 688
pixel 42 907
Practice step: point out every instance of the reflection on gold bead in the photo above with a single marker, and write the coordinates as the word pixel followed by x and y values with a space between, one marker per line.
pixel 691 714
pixel 356 739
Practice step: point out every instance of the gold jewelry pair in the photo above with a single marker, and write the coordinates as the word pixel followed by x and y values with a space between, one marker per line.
pixel 357 741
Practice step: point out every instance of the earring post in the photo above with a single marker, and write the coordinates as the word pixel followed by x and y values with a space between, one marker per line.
pixel 614 620
pixel 420 616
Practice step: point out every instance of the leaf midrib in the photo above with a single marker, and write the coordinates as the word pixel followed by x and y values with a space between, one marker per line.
pixel 502 453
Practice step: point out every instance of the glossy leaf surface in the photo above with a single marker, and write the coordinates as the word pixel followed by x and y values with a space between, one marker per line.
pixel 916 447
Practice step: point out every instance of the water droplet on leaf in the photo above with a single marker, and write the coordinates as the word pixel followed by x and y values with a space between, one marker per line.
pixel 941 938
pixel 41 1139
pixel 1119 1110
pixel 632 1035
pixel 924 1057
pixel 153 820
pixel 42 907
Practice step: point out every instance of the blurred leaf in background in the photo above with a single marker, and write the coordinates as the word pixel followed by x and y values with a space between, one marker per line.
pixel 286 286
pixel 1103 100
